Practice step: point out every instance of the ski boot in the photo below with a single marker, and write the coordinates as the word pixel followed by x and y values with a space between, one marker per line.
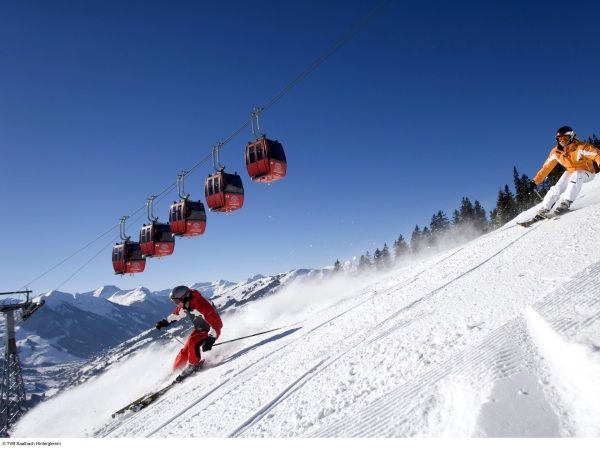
pixel 189 369
pixel 543 213
pixel 563 207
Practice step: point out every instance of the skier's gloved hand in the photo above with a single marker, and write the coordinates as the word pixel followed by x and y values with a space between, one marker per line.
pixel 532 186
pixel 208 343
pixel 162 324
pixel 210 339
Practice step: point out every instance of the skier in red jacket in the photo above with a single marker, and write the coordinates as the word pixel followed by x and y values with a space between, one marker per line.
pixel 207 327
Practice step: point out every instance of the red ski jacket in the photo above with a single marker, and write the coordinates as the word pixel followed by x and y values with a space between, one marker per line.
pixel 202 313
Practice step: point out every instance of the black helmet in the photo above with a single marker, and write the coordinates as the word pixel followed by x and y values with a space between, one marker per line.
pixel 565 131
pixel 180 293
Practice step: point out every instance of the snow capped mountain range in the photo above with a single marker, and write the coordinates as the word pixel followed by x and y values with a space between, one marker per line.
pixel 72 328
pixel 75 326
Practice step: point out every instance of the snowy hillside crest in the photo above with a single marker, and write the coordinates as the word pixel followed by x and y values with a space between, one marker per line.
pixel 496 337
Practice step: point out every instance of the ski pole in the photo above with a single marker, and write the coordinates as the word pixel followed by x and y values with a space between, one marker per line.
pixel 246 337
pixel 538 194
pixel 172 337
pixel 226 342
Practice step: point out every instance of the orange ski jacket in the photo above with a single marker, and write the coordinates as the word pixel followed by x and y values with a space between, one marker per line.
pixel 575 156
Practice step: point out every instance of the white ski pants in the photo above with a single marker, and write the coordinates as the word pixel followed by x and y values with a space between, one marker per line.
pixel 568 185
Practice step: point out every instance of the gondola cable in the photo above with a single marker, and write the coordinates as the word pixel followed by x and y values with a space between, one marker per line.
pixel 347 36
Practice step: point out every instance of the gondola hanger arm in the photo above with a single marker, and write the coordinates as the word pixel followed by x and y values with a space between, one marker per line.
pixel 151 216
pixel 255 120
pixel 124 236
pixel 180 188
pixel 215 151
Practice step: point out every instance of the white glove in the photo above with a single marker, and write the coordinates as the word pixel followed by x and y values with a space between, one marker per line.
pixel 212 333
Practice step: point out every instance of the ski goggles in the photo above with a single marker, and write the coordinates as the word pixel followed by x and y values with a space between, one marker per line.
pixel 566 135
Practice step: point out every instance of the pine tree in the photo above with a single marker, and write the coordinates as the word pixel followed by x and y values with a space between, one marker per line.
pixel 400 248
pixel 363 263
pixel 465 215
pixel 439 223
pixel 519 190
pixel 426 238
pixel 525 198
pixel 494 220
pixel 500 216
pixel 480 220
pixel 377 258
pixel 456 218
pixel 385 258
pixel 506 208
pixel 337 266
pixel 416 239
pixel 511 205
pixel 370 260
pixel 532 197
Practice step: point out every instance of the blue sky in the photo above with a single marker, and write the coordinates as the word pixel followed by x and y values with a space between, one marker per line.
pixel 103 103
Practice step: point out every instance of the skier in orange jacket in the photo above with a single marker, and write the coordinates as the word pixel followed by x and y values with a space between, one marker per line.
pixel 207 327
pixel 577 158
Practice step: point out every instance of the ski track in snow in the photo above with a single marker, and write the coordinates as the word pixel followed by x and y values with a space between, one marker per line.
pixel 370 296
pixel 568 311
pixel 321 365
pixel 500 337
pixel 108 430
pixel 362 339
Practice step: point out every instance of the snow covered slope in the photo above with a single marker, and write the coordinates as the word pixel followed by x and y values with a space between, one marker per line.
pixel 498 337
pixel 77 336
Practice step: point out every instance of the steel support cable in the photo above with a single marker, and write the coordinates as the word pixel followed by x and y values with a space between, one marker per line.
pixel 85 264
pixel 132 215
pixel 76 252
pixel 347 36
pixel 70 256
pixel 353 30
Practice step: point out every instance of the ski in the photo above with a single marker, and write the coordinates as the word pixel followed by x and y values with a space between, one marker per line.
pixel 531 221
pixel 549 216
pixel 151 397
pixel 144 400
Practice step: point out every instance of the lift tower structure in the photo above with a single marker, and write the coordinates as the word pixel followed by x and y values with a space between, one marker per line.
pixel 12 389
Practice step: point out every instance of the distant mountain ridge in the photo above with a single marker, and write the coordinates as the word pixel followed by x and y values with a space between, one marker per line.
pixel 72 330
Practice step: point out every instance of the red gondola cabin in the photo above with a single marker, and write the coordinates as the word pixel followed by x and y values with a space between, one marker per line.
pixel 224 192
pixel 127 258
pixel 187 218
pixel 156 239
pixel 265 160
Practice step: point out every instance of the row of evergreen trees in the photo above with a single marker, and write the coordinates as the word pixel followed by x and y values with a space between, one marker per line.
pixel 468 221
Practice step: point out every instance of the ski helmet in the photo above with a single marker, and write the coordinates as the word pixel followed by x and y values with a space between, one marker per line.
pixel 181 293
pixel 565 131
